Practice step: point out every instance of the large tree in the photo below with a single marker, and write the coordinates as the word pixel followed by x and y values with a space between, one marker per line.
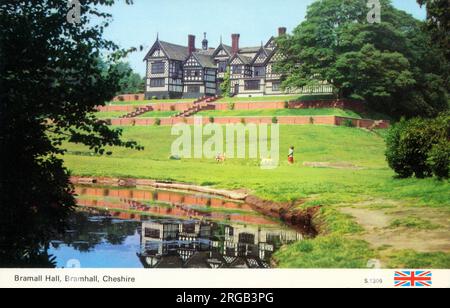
pixel 438 22
pixel 131 82
pixel 391 64
pixel 51 81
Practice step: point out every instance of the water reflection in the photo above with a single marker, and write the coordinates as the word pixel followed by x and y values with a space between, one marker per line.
pixel 164 229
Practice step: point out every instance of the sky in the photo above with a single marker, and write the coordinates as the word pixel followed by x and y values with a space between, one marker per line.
pixel 255 20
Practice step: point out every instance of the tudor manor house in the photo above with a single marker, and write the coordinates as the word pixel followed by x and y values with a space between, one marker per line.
pixel 175 71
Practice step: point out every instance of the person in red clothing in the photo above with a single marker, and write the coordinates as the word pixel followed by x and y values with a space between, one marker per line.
pixel 291 156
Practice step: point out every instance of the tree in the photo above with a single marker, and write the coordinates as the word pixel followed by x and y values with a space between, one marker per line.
pixel 225 86
pixel 51 81
pixel 131 82
pixel 438 22
pixel 390 65
pixel 420 147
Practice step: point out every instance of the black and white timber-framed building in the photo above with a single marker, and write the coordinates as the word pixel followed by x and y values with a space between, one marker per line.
pixel 175 71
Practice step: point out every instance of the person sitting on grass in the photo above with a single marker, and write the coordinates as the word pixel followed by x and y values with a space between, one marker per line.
pixel 291 156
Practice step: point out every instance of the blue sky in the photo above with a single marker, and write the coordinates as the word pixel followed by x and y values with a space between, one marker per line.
pixel 255 20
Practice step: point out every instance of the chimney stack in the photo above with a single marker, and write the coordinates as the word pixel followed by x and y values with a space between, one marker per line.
pixel 282 31
pixel 191 43
pixel 235 43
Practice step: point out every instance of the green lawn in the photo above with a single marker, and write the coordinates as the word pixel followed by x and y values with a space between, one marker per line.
pixel 153 101
pixel 330 188
pixel 109 114
pixel 279 112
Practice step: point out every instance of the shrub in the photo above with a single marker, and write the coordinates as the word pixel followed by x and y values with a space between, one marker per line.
pixel 439 159
pixel 274 120
pixel 231 106
pixel 311 120
pixel 286 104
pixel 211 119
pixel 348 123
pixel 157 122
pixel 154 97
pixel 172 107
pixel 243 120
pixel 419 147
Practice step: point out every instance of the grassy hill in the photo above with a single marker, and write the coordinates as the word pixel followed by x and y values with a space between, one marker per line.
pixel 365 210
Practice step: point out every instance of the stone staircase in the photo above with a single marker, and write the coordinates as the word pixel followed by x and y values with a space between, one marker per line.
pixel 137 112
pixel 201 104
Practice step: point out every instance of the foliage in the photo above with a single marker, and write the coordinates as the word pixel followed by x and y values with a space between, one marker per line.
pixel 51 81
pixel 438 22
pixel 157 121
pixel 274 120
pixel 439 159
pixel 419 147
pixel 391 65
pixel 348 123
pixel 225 86
pixel 130 82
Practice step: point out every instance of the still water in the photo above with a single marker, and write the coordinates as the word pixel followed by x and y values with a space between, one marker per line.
pixel 136 228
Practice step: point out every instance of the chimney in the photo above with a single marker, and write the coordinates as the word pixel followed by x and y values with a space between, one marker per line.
pixel 282 31
pixel 191 43
pixel 235 43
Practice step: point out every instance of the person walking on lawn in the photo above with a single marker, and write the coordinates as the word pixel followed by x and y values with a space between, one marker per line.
pixel 291 156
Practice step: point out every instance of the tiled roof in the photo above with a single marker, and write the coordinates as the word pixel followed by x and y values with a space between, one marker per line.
pixel 175 52
pixel 205 60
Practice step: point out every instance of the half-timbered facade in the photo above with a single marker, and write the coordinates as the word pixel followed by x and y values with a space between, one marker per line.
pixel 175 71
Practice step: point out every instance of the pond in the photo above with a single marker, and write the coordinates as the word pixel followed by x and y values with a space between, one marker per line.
pixel 143 228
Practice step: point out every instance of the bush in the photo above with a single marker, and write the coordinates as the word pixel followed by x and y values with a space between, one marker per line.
pixel 286 104
pixel 348 123
pixel 439 159
pixel 419 147
pixel 172 107
pixel 274 120
pixel 211 119
pixel 157 122
pixel 231 106
pixel 154 97
pixel 242 120
pixel 311 120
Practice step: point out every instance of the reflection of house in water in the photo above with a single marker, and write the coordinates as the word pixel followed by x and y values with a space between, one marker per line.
pixel 200 244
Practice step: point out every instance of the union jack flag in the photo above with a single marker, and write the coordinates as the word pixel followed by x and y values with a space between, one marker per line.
pixel 413 279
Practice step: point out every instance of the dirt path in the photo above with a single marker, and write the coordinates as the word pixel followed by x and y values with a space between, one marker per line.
pixel 391 225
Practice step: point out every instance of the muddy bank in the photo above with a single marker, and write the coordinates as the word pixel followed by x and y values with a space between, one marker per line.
pixel 288 212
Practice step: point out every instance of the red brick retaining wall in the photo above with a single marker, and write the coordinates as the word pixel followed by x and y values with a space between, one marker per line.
pixel 357 106
pixel 285 120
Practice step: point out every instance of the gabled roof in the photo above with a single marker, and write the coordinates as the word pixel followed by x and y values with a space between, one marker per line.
pixel 244 59
pixel 222 47
pixel 267 52
pixel 175 52
pixel 269 41
pixel 172 51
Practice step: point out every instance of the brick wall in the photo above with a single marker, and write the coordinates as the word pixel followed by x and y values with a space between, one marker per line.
pixel 286 120
pixel 357 106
